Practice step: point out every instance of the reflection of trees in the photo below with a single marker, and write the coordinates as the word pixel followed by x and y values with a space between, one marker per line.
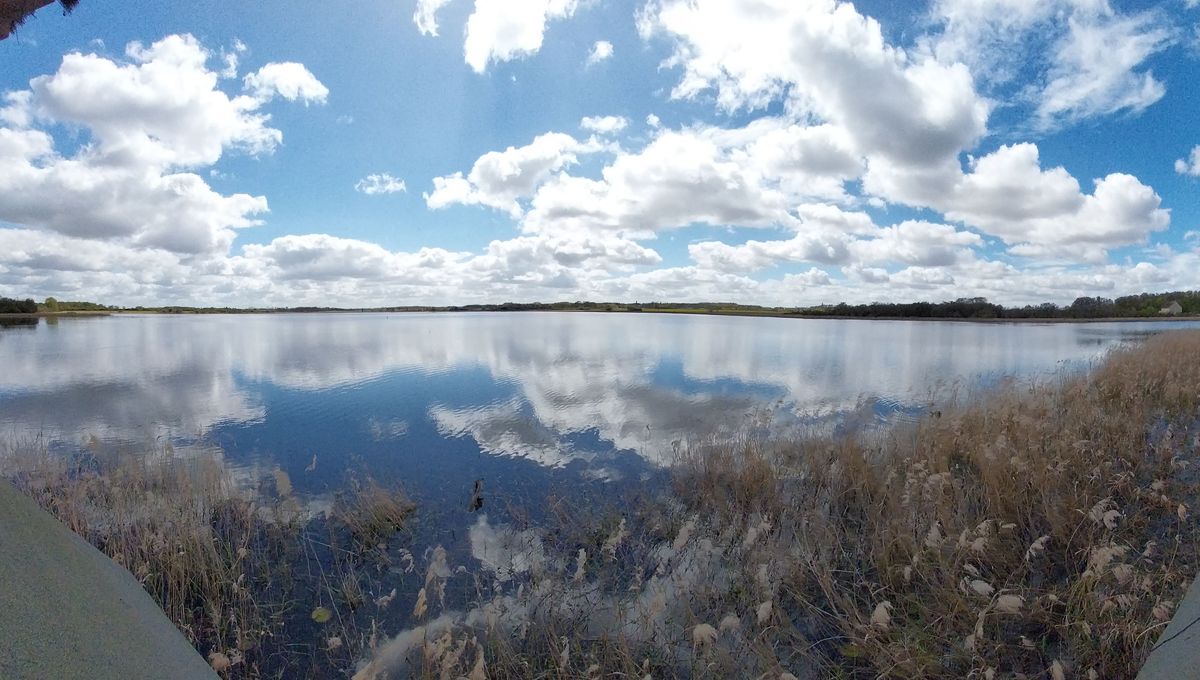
pixel 18 322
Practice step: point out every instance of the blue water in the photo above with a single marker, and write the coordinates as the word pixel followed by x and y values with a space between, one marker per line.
pixel 539 405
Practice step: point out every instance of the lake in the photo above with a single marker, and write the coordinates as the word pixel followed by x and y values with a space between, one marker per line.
pixel 535 404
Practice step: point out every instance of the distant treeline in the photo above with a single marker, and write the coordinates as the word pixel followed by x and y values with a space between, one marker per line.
pixel 1130 306
pixel 11 306
pixel 29 306
pixel 52 305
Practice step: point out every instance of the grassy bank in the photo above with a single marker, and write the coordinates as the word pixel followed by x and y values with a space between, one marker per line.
pixel 1042 530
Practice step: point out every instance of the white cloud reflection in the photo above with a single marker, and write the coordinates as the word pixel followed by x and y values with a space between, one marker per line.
pixel 641 383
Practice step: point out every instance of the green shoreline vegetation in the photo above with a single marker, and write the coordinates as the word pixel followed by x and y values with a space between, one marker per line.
pixel 1170 305
pixel 1043 529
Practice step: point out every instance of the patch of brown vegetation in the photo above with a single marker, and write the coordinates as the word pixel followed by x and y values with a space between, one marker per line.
pixel 234 571
pixel 1042 530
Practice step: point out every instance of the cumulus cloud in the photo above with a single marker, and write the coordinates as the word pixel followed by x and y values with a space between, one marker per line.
pixel 754 255
pixel 520 268
pixel 92 195
pixel 149 118
pixel 912 242
pixel 825 60
pixel 161 106
pixel 601 50
pixel 1189 165
pixel 287 79
pixel 604 125
pixel 502 30
pixel 557 260
pixel 379 183
pixel 323 257
pixel 500 178
pixel 1041 213
pixel 750 176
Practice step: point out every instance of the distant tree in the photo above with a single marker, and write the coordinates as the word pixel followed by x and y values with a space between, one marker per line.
pixel 11 306
pixel 51 304
pixel 1092 308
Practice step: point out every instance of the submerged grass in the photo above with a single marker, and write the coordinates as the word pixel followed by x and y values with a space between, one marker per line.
pixel 1042 530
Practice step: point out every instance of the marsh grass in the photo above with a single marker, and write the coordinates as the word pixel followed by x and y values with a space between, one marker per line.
pixel 1044 530
pixel 236 571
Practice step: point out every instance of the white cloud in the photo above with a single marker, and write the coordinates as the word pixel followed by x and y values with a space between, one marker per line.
pixel 753 255
pixel 163 106
pixel 825 60
pixel 502 30
pixel 1189 165
pixel 981 33
pixel 653 121
pixel 520 268
pixel 917 243
pixel 751 176
pixel 1095 70
pixel 93 195
pixel 148 119
pixel 379 183
pixel 425 16
pixel 828 242
pixel 556 263
pixel 604 125
pixel 1041 213
pixel 601 50
pixel 1070 60
pixel 287 79
pixel 322 257
pixel 500 178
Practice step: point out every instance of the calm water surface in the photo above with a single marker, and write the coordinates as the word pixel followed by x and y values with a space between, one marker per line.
pixel 536 404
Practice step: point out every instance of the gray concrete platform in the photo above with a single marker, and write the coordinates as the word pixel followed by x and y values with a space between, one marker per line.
pixel 67 611
pixel 1177 653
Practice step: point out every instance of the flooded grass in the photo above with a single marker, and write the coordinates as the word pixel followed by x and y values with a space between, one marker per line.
pixel 1042 530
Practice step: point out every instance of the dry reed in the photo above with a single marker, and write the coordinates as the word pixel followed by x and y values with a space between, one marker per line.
pixel 233 570
pixel 1042 530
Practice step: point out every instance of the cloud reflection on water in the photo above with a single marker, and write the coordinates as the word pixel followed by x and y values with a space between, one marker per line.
pixel 637 382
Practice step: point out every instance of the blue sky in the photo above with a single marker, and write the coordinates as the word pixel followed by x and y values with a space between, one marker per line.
pixel 800 152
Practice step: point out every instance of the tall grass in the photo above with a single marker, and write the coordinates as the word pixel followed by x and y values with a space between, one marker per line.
pixel 1042 531
pixel 237 571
